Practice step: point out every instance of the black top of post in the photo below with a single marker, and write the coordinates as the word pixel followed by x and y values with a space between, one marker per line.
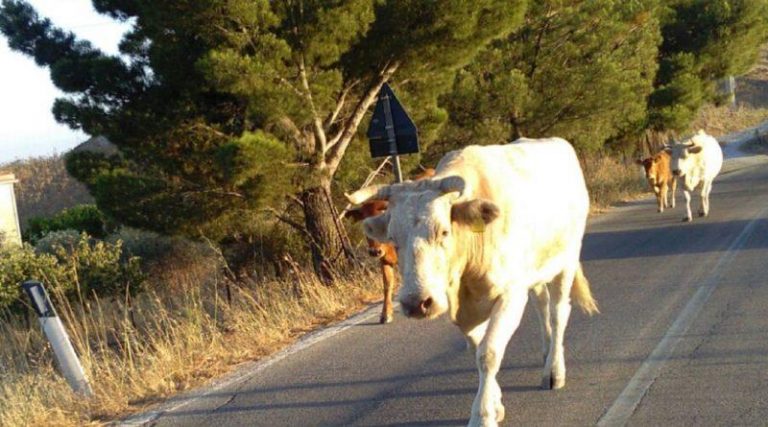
pixel 39 298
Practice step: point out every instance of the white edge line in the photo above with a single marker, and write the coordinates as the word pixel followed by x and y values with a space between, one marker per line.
pixel 248 371
pixel 624 406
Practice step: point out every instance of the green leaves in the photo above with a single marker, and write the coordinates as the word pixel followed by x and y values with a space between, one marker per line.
pixel 576 69
pixel 703 41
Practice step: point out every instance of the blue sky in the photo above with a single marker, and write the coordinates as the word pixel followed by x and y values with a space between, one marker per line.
pixel 27 127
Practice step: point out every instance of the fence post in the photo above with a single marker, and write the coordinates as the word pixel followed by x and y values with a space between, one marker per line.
pixel 54 330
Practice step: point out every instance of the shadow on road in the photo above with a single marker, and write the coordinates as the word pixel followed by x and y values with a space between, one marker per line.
pixel 693 238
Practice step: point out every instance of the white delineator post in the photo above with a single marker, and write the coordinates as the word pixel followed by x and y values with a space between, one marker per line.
pixel 54 330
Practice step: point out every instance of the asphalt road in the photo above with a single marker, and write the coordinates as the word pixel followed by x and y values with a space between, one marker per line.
pixel 682 340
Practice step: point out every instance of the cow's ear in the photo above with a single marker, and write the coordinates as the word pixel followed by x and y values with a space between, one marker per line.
pixel 376 227
pixel 475 213
pixel 356 215
pixel 695 149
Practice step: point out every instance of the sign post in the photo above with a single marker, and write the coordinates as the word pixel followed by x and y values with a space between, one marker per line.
pixel 391 132
pixel 54 330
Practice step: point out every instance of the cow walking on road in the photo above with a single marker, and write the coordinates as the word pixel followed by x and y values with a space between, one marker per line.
pixel 494 223
pixel 660 178
pixel 696 161
pixel 385 252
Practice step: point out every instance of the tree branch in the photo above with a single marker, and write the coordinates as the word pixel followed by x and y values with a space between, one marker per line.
pixel 339 105
pixel 341 141
pixel 316 121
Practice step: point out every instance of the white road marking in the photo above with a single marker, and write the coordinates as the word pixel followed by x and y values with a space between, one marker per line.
pixel 250 370
pixel 624 406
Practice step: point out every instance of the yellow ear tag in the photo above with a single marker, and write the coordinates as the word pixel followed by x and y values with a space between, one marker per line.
pixel 478 225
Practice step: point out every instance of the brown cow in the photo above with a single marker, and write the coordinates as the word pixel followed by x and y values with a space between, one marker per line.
pixel 660 178
pixel 385 252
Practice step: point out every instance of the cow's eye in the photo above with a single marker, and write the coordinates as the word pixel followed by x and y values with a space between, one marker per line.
pixel 444 233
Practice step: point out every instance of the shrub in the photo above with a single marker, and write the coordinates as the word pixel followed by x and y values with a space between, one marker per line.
pixel 18 264
pixel 54 240
pixel 85 268
pixel 83 218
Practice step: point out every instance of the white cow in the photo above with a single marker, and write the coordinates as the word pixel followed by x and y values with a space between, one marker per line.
pixel 493 224
pixel 696 161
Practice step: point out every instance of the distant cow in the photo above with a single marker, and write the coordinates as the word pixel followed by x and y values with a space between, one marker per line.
pixel 385 252
pixel 660 178
pixel 697 161
pixel 494 223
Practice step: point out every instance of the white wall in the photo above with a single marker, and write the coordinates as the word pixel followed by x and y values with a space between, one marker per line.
pixel 9 218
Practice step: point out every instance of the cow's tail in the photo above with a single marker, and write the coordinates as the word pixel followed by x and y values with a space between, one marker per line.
pixel 582 295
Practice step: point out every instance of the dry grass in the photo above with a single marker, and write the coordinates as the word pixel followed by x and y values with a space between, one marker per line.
pixel 611 181
pixel 167 343
pixel 718 121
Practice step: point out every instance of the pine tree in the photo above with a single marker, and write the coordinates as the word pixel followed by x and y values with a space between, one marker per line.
pixel 223 106
pixel 703 42
pixel 577 69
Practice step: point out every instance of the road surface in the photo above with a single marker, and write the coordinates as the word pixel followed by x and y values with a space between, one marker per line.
pixel 682 340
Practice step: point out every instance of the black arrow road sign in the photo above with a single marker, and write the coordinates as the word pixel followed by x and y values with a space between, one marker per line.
pixel 391 131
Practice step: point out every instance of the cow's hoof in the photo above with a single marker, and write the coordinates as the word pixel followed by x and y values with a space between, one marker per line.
pixel 687 219
pixel 551 383
pixel 546 382
pixel 558 383
pixel 385 318
pixel 702 214
pixel 481 422
pixel 499 412
pixel 659 210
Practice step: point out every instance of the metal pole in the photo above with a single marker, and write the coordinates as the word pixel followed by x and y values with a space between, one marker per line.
pixel 389 125
pixel 396 169
pixel 66 357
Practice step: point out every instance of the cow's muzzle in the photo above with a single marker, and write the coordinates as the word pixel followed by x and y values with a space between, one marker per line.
pixel 375 252
pixel 416 306
pixel 676 172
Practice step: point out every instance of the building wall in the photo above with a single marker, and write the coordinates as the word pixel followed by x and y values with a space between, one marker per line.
pixel 9 218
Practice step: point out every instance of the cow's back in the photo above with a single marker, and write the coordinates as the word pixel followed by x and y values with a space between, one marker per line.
pixel 539 188
pixel 709 160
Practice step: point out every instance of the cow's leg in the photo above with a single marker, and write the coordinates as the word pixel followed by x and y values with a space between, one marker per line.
pixel 687 194
pixel 388 276
pixel 662 196
pixel 673 184
pixel 541 292
pixel 706 187
pixel 475 335
pixel 487 409
pixel 554 368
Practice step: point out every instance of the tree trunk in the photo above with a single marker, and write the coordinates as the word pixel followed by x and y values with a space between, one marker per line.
pixel 327 237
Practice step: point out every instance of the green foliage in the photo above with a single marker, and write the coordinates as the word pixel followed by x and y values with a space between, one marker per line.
pixel 577 69
pixel 703 41
pixel 224 107
pixel 83 218
pixel 77 269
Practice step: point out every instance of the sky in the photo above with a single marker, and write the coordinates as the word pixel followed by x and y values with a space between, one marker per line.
pixel 27 126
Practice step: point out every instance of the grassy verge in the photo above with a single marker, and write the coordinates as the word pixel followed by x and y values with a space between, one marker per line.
pixel 161 343
pixel 611 181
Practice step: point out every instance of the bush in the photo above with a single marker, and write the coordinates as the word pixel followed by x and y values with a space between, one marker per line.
pixel 83 218
pixel 85 268
pixel 53 241
pixel 18 264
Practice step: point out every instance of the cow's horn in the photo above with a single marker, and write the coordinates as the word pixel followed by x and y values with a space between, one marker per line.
pixel 452 184
pixel 378 192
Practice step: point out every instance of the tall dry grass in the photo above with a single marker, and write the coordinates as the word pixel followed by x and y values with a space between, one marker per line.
pixel 722 120
pixel 611 180
pixel 137 352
